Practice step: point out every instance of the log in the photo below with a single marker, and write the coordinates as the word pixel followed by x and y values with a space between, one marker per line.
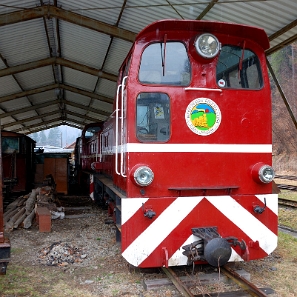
pixel 8 215
pixel 19 220
pixel 28 220
pixel 16 216
pixel 31 201
pixel 14 204
pixel 22 201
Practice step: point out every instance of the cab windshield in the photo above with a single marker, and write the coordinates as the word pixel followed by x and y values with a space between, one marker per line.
pixel 238 68
pixel 165 64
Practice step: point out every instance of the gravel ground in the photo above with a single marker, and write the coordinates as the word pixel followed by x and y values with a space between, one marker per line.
pixel 96 267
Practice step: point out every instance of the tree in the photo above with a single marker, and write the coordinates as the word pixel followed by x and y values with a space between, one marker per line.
pixel 34 136
pixel 54 137
pixel 42 139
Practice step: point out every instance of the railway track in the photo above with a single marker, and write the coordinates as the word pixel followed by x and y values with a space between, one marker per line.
pixel 248 289
pixel 289 177
pixel 286 202
pixel 287 187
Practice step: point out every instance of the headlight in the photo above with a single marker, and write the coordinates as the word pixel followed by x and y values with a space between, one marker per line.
pixel 263 173
pixel 266 174
pixel 207 45
pixel 143 176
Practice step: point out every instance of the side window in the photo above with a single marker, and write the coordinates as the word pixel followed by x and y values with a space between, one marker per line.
pixel 238 68
pixel 167 65
pixel 153 117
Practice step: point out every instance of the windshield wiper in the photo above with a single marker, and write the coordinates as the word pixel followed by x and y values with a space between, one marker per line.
pixel 163 53
pixel 241 60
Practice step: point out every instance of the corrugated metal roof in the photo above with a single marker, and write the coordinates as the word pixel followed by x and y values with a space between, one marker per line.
pixel 59 58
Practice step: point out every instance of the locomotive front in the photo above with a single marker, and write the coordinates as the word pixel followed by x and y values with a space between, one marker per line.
pixel 193 151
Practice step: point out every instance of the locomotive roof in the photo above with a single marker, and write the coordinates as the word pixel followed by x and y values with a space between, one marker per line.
pixel 242 31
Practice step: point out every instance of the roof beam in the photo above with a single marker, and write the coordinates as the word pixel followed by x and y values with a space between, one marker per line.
pixel 59 119
pixel 60 61
pixel 21 122
pixel 56 86
pixel 87 93
pixel 52 102
pixel 38 124
pixel 49 11
pixel 283 30
pixel 75 114
pixel 29 108
pixel 207 9
pixel 281 45
pixel 28 92
pixel 86 108
pixel 52 126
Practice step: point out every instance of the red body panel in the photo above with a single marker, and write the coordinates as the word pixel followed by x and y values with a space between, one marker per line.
pixel 246 119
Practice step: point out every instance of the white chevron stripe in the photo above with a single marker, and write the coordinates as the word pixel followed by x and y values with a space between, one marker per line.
pixel 130 206
pixel 271 201
pixel 163 225
pixel 244 220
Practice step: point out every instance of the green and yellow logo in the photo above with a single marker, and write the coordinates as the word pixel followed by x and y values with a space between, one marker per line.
pixel 203 116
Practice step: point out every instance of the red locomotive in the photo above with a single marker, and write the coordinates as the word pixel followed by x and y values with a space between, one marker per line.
pixel 184 161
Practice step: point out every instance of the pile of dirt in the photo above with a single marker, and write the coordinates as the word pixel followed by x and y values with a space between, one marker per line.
pixel 61 254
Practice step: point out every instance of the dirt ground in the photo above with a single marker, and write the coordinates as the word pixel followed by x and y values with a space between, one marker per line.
pixel 99 269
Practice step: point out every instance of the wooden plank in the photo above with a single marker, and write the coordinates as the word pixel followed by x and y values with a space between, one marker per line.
pixel 240 293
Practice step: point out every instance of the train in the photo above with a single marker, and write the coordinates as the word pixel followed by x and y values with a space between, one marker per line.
pixel 18 167
pixel 17 176
pixel 184 161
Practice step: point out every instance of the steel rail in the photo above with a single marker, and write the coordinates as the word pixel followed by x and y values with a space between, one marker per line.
pixel 290 177
pixel 177 282
pixel 287 187
pixel 243 283
pixel 287 202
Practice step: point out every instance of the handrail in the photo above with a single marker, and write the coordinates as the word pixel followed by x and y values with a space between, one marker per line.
pixel 100 148
pixel 203 89
pixel 122 128
pixel 117 130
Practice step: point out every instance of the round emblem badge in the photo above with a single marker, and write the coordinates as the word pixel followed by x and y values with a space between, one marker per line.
pixel 203 116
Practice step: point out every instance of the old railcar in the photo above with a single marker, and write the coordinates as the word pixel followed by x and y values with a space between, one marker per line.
pixel 17 162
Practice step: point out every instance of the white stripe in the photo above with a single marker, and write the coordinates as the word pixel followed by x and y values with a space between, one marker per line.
pixel 196 148
pixel 163 225
pixel 244 220
pixel 131 206
pixel 271 201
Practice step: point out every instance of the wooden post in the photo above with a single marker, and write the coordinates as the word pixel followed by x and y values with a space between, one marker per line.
pixel 4 242
pixel 1 193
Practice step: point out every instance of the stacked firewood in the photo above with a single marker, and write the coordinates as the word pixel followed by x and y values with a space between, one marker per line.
pixel 21 212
